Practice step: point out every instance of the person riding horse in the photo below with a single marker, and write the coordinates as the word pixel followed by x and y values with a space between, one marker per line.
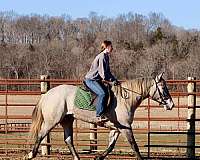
pixel 57 107
pixel 100 70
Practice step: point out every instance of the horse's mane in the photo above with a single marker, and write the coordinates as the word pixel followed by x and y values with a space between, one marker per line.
pixel 139 85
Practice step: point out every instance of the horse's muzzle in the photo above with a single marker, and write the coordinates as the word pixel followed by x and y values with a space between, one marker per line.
pixel 169 104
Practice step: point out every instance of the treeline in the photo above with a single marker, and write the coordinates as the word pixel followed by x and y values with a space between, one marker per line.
pixel 31 45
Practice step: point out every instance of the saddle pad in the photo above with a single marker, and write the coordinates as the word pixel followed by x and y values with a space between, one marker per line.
pixel 83 100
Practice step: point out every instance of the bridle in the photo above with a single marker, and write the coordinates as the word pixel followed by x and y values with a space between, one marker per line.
pixel 161 96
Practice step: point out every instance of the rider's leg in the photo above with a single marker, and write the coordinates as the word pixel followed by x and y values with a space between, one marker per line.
pixel 101 93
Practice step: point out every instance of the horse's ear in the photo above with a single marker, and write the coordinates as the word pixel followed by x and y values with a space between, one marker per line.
pixel 159 77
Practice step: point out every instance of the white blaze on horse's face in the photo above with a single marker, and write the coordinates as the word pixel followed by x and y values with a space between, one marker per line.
pixel 159 92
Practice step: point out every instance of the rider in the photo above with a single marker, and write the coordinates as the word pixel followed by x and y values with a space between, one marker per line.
pixel 100 70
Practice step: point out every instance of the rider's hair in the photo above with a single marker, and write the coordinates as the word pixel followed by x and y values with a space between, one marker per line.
pixel 105 44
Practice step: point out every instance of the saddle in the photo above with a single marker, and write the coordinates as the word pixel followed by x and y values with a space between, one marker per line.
pixel 86 99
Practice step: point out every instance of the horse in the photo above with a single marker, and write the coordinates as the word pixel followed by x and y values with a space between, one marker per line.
pixel 57 106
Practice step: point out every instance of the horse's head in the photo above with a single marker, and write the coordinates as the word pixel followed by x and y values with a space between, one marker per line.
pixel 159 92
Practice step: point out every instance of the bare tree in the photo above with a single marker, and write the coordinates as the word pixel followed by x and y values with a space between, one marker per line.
pixel 64 48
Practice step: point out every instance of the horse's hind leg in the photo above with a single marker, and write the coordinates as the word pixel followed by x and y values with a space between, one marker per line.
pixel 45 129
pixel 128 133
pixel 113 136
pixel 33 153
pixel 67 124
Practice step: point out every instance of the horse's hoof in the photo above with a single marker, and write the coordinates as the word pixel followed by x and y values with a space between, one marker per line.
pixel 99 158
pixel 26 157
pixel 140 158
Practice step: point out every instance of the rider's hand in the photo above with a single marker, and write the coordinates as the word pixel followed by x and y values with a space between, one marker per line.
pixel 116 82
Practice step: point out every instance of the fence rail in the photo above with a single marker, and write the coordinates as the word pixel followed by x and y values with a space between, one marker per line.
pixel 18 97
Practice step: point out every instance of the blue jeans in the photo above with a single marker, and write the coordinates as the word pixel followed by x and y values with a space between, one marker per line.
pixel 101 91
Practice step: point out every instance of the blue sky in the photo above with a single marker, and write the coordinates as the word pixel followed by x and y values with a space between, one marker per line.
pixel 182 13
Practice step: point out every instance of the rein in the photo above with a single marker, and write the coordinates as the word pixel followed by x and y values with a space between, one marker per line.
pixel 125 90
pixel 157 88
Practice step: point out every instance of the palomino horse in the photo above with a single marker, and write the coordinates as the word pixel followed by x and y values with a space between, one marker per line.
pixel 57 106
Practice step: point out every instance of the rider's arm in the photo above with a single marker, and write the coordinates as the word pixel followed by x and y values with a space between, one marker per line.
pixel 104 68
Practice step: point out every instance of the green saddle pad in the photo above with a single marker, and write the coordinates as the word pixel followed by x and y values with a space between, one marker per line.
pixel 83 100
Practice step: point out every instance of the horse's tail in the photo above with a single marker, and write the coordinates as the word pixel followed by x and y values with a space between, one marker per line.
pixel 37 120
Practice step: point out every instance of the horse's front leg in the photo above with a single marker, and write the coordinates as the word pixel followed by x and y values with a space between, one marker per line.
pixel 128 133
pixel 113 136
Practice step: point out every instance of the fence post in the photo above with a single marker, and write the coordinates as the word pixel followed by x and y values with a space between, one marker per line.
pixel 191 119
pixel 93 137
pixel 45 86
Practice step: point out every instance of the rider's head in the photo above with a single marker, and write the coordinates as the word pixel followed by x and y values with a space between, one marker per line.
pixel 106 45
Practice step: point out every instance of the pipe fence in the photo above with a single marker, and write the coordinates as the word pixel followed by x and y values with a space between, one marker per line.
pixel 159 133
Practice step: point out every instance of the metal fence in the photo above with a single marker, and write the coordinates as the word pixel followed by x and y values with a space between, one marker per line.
pixel 159 133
